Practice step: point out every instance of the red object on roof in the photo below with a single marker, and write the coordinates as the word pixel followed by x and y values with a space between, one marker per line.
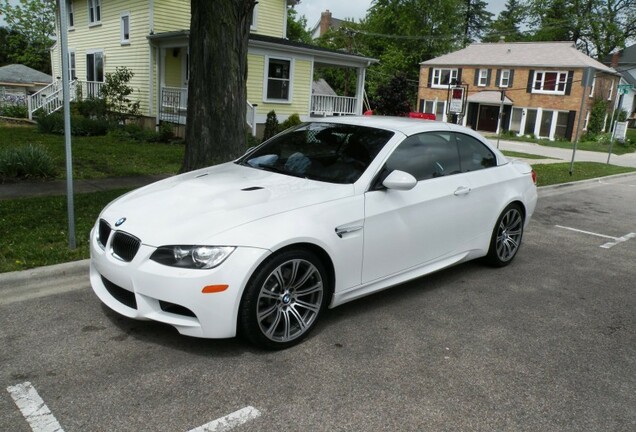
pixel 423 116
pixel 368 112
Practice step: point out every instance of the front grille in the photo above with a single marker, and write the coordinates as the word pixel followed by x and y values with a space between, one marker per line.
pixel 125 246
pixel 104 232
pixel 175 309
pixel 120 294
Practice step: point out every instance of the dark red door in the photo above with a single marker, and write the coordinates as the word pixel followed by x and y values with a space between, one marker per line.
pixel 488 118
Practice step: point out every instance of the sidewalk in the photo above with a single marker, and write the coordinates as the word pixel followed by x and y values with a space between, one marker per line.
pixel 564 155
pixel 58 187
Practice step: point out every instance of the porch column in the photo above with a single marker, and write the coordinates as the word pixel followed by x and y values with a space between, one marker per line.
pixel 360 90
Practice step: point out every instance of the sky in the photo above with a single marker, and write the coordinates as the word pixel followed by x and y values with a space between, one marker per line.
pixel 356 9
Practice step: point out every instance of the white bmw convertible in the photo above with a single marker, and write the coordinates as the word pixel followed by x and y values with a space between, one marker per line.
pixel 319 215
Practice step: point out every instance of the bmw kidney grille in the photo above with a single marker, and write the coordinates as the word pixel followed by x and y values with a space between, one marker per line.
pixel 124 246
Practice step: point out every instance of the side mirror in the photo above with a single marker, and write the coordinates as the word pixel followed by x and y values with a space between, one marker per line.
pixel 399 180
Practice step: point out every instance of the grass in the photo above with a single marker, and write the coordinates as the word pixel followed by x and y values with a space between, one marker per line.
pixel 523 155
pixel 100 156
pixel 34 231
pixel 617 148
pixel 549 174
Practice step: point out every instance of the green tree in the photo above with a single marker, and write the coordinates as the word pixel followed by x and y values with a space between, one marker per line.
pixel 477 20
pixel 392 98
pixel 217 96
pixel 31 24
pixel 297 27
pixel 117 93
pixel 508 23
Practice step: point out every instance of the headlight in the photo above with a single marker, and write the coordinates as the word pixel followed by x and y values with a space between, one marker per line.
pixel 194 257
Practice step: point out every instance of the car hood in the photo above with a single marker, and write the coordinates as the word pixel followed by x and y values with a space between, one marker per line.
pixel 191 208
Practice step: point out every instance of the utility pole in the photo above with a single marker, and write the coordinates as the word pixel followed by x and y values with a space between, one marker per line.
pixel 588 75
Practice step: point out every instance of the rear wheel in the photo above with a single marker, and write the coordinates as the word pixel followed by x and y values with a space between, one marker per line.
pixel 506 236
pixel 283 300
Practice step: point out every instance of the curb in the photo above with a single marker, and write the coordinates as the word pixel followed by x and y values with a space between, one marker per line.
pixel 582 182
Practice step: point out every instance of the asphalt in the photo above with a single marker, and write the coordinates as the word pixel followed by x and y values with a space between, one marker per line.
pixel 69 274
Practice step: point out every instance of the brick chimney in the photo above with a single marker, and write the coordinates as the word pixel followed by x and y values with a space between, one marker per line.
pixel 325 21
pixel 615 58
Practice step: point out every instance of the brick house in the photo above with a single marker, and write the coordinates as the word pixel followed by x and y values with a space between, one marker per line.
pixel 542 83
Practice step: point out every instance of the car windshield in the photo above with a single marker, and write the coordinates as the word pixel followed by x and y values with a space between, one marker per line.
pixel 330 152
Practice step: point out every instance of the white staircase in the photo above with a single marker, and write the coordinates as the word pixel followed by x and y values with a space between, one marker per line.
pixel 50 98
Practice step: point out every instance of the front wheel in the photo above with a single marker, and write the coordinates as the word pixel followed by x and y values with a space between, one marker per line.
pixel 283 300
pixel 506 236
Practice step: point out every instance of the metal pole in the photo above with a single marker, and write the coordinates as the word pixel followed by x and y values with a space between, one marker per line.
pixel 503 97
pixel 612 125
pixel 67 123
pixel 578 125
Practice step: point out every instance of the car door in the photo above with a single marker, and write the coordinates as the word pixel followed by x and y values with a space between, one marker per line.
pixel 405 229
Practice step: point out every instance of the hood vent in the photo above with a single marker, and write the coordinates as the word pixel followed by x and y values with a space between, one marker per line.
pixel 252 188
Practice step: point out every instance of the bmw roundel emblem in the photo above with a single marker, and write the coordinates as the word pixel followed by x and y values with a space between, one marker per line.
pixel 120 222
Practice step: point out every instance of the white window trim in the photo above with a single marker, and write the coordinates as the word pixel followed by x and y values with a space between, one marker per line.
pixel 501 78
pixel 70 11
pixel 72 52
pixel 96 51
pixel 291 80
pixel 592 89
pixel 550 92
pixel 254 25
pixel 121 28
pixel 483 75
pixel 438 71
pixel 611 90
pixel 94 4
pixel 587 120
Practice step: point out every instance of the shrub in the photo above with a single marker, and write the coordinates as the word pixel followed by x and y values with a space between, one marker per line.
pixel 291 121
pixel 28 161
pixel 91 108
pixel 15 111
pixel 271 125
pixel 597 117
pixel 52 123
pixel 116 91
pixel 166 132
pixel 80 126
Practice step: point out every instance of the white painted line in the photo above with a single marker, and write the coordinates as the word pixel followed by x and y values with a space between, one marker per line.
pixel 230 421
pixel 33 408
pixel 586 232
pixel 618 240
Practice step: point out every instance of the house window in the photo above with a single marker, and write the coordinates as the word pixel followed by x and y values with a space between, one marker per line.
pixel 71 65
pixel 442 78
pixel 504 80
pixel 278 79
pixel 95 66
pixel 125 27
pixel 94 11
pixel 550 82
pixel 71 15
pixel 429 107
pixel 483 78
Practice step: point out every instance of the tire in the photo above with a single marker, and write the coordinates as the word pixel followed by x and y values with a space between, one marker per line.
pixel 506 236
pixel 283 300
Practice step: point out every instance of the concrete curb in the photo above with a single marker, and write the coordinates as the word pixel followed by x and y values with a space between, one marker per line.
pixel 582 182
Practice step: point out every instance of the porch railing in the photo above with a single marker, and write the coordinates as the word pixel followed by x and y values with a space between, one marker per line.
pixel 50 98
pixel 333 105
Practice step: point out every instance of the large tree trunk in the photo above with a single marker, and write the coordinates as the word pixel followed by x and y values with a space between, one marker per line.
pixel 216 125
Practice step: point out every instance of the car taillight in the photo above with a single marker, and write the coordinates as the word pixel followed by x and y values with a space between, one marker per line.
pixel 534 177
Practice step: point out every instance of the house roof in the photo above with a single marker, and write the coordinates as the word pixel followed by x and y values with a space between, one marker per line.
pixel 19 74
pixel 626 57
pixel 530 54
pixel 321 87
pixel 256 40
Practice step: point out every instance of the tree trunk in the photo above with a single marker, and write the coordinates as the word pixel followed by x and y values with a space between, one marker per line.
pixel 217 100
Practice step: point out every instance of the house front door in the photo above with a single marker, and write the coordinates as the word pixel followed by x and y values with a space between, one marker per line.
pixel 488 118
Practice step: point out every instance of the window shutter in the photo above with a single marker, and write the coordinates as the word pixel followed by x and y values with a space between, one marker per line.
pixel 430 76
pixel 476 77
pixel 459 76
pixel 568 84
pixel 570 126
pixel 422 105
pixel 488 76
pixel 498 79
pixel 530 78
pixel 512 75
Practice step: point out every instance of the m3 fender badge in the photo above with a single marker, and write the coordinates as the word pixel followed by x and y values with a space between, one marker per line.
pixel 120 222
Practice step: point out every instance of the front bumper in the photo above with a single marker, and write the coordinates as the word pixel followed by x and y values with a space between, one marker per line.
pixel 145 290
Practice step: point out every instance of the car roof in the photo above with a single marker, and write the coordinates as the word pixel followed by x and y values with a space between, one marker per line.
pixel 406 125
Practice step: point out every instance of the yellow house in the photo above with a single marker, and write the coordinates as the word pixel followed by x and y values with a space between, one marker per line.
pixel 150 37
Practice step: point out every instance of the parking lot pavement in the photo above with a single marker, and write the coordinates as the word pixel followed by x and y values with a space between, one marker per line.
pixel 547 343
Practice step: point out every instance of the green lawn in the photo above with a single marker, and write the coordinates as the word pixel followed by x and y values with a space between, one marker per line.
pixel 34 231
pixel 100 156
pixel 548 174
pixel 617 148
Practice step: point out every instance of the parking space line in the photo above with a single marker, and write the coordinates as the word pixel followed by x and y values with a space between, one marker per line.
pixel 33 408
pixel 230 421
pixel 618 240
pixel 586 232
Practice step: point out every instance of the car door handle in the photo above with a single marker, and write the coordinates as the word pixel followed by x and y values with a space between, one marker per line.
pixel 462 190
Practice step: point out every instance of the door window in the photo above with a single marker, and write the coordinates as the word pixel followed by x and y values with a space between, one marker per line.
pixel 426 155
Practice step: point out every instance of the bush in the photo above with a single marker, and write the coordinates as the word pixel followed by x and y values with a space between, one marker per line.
pixel 29 161
pixel 14 111
pixel 80 126
pixel 271 125
pixel 91 108
pixel 166 132
pixel 292 120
